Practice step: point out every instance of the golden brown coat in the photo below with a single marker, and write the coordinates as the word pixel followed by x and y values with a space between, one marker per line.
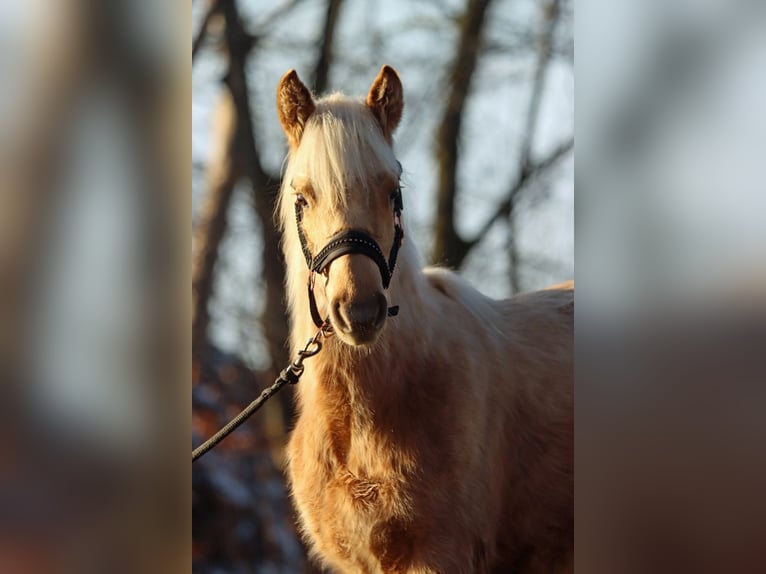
pixel 443 442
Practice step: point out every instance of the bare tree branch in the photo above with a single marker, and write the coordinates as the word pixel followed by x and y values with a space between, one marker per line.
pixel 503 210
pixel 448 246
pixel 222 175
pixel 550 14
pixel 277 14
pixel 199 39
pixel 210 226
pixel 241 160
pixel 322 68
pixel 514 254
pixel 264 185
pixel 550 10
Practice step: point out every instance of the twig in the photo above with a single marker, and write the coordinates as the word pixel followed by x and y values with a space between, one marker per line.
pixel 524 177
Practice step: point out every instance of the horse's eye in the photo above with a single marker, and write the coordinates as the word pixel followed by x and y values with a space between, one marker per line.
pixel 396 198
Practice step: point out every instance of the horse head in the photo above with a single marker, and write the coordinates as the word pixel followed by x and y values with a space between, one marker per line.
pixel 343 180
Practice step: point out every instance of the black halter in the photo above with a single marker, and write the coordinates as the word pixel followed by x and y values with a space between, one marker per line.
pixel 351 242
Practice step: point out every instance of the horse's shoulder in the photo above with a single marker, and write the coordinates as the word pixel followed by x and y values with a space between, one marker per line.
pixel 446 282
pixel 547 313
pixel 558 298
pixel 564 286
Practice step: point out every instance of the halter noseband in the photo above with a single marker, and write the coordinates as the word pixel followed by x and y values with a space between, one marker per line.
pixel 348 242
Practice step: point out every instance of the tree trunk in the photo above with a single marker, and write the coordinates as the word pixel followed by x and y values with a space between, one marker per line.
pixel 449 248
pixel 211 226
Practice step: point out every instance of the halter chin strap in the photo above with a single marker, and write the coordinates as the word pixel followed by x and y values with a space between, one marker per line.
pixel 348 242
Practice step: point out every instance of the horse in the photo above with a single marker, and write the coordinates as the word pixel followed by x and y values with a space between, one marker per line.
pixel 434 436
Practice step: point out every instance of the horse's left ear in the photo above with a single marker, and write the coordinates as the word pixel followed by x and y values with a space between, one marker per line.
pixel 294 107
pixel 386 100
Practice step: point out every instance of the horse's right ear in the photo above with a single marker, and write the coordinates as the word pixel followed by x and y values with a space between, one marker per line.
pixel 294 107
pixel 386 100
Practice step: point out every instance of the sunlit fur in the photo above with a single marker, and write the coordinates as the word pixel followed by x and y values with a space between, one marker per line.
pixel 445 446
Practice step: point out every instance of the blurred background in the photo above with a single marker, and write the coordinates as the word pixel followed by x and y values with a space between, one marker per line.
pixel 486 144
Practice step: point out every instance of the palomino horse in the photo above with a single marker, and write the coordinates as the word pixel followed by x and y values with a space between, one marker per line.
pixel 438 440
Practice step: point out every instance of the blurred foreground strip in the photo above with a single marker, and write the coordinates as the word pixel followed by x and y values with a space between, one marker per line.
pixel 671 273
pixel 670 441
pixel 94 209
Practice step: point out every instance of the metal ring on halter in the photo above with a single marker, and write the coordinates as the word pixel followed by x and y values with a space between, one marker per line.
pixel 308 350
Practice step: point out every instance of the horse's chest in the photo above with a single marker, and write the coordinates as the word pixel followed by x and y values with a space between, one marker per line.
pixel 342 511
pixel 342 498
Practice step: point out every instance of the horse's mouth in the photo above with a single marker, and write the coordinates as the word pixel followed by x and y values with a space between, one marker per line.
pixel 358 336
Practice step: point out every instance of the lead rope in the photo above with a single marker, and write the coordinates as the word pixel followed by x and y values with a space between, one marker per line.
pixel 290 374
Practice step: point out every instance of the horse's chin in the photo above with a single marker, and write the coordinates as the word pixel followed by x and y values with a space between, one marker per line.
pixel 361 338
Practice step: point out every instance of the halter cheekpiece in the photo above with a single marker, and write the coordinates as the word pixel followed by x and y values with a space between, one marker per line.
pixel 348 242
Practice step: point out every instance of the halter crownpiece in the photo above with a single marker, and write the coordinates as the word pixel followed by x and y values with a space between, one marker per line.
pixel 348 242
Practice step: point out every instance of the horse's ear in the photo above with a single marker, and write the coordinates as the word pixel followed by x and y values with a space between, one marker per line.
pixel 386 100
pixel 294 106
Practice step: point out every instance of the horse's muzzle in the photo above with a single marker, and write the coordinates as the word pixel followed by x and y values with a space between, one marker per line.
pixel 359 322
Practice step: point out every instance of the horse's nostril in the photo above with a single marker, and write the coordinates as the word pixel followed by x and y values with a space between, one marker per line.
pixel 360 316
pixel 382 312
pixel 338 317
